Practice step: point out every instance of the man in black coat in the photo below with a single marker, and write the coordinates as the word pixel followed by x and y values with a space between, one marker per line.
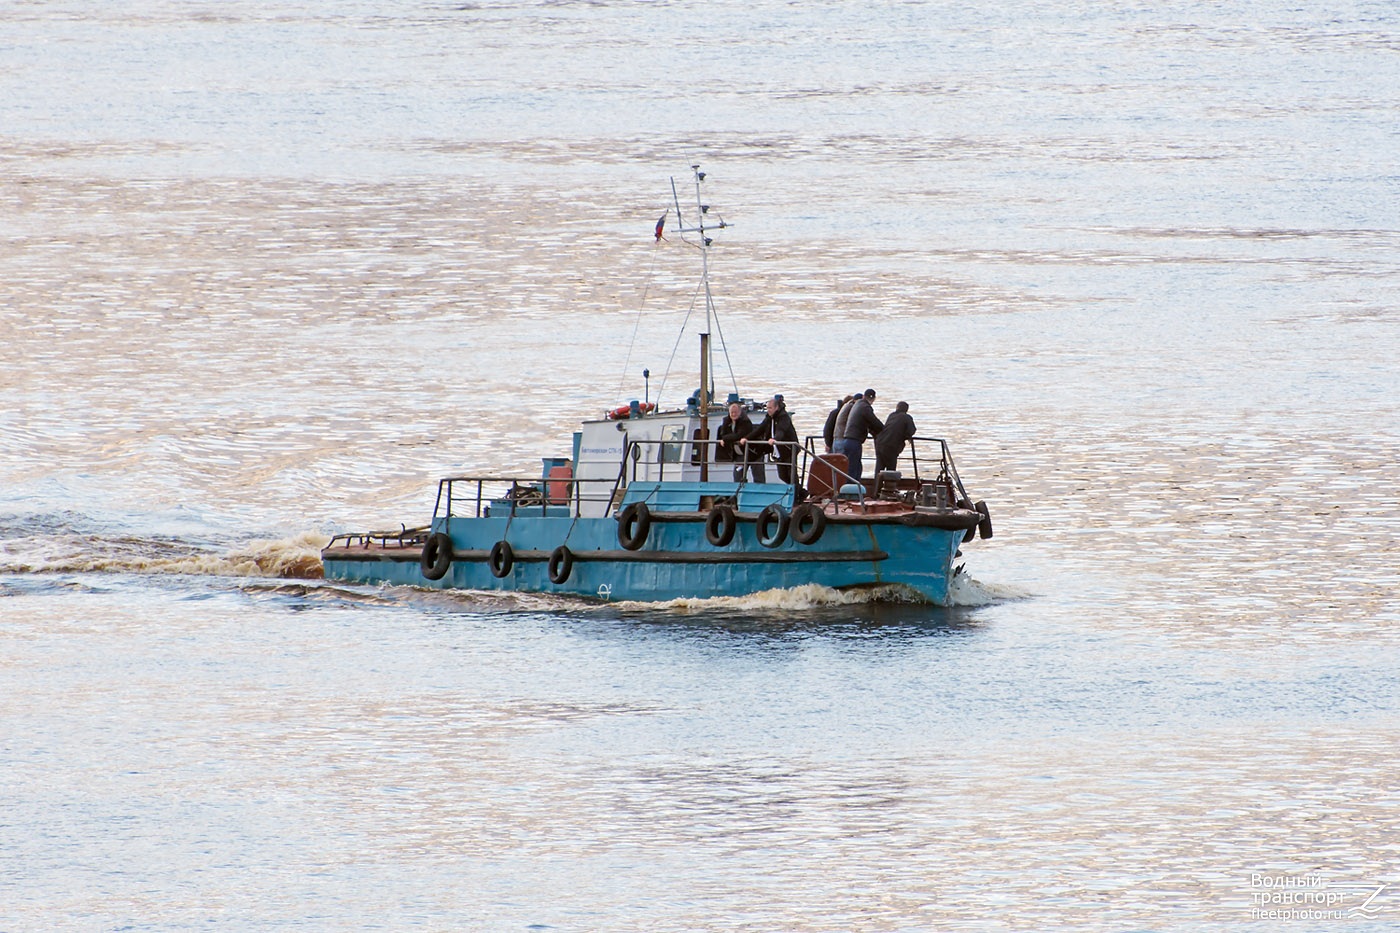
pixel 780 438
pixel 734 431
pixel 889 443
pixel 829 429
pixel 860 424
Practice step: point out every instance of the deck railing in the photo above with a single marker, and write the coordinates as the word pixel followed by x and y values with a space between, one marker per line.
pixel 476 496
pixel 804 455
pixel 405 537
pixel 918 469
pixel 635 455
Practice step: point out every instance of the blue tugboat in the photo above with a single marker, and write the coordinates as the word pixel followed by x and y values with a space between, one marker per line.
pixel 641 509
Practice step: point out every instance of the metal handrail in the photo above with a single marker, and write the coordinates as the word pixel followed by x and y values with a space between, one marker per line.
pixel 534 490
pixel 635 458
pixel 404 537
pixel 947 469
pixel 508 488
pixel 947 472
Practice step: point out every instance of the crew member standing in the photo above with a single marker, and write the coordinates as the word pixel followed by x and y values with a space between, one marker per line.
pixel 781 438
pixel 889 443
pixel 838 429
pixel 829 429
pixel 734 432
pixel 860 424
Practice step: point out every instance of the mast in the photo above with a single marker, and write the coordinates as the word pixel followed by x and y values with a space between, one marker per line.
pixel 704 403
pixel 706 367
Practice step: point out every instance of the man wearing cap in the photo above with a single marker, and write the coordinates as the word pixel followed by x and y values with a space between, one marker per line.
pixel 860 423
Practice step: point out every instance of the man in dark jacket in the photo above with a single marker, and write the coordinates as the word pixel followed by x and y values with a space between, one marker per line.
pixel 829 429
pixel 734 431
pixel 843 414
pixel 780 438
pixel 860 424
pixel 889 443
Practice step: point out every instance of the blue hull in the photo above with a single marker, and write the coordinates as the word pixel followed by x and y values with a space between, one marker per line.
pixel 675 561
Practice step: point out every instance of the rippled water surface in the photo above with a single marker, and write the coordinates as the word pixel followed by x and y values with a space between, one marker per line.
pixel 267 270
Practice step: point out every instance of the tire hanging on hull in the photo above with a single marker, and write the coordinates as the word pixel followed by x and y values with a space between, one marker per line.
pixel 984 527
pixel 502 559
pixel 633 524
pixel 720 525
pixel 808 523
pixel 437 556
pixel 772 526
pixel 972 531
pixel 561 564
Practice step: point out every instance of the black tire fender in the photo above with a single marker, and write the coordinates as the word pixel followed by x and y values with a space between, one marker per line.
pixel 771 526
pixel 437 556
pixel 971 532
pixel 720 525
pixel 502 558
pixel 561 564
pixel 633 524
pixel 808 523
pixel 984 527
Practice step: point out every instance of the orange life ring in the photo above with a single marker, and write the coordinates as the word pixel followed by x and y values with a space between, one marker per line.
pixel 617 414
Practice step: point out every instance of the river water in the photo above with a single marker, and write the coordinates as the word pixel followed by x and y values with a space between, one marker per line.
pixel 267 270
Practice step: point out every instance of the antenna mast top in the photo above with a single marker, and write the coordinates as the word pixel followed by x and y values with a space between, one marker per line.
pixel 698 227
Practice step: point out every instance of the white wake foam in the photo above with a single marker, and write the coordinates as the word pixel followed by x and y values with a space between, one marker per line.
pixel 298 557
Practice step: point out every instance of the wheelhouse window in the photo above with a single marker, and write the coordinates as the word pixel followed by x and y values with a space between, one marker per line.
pixel 673 447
